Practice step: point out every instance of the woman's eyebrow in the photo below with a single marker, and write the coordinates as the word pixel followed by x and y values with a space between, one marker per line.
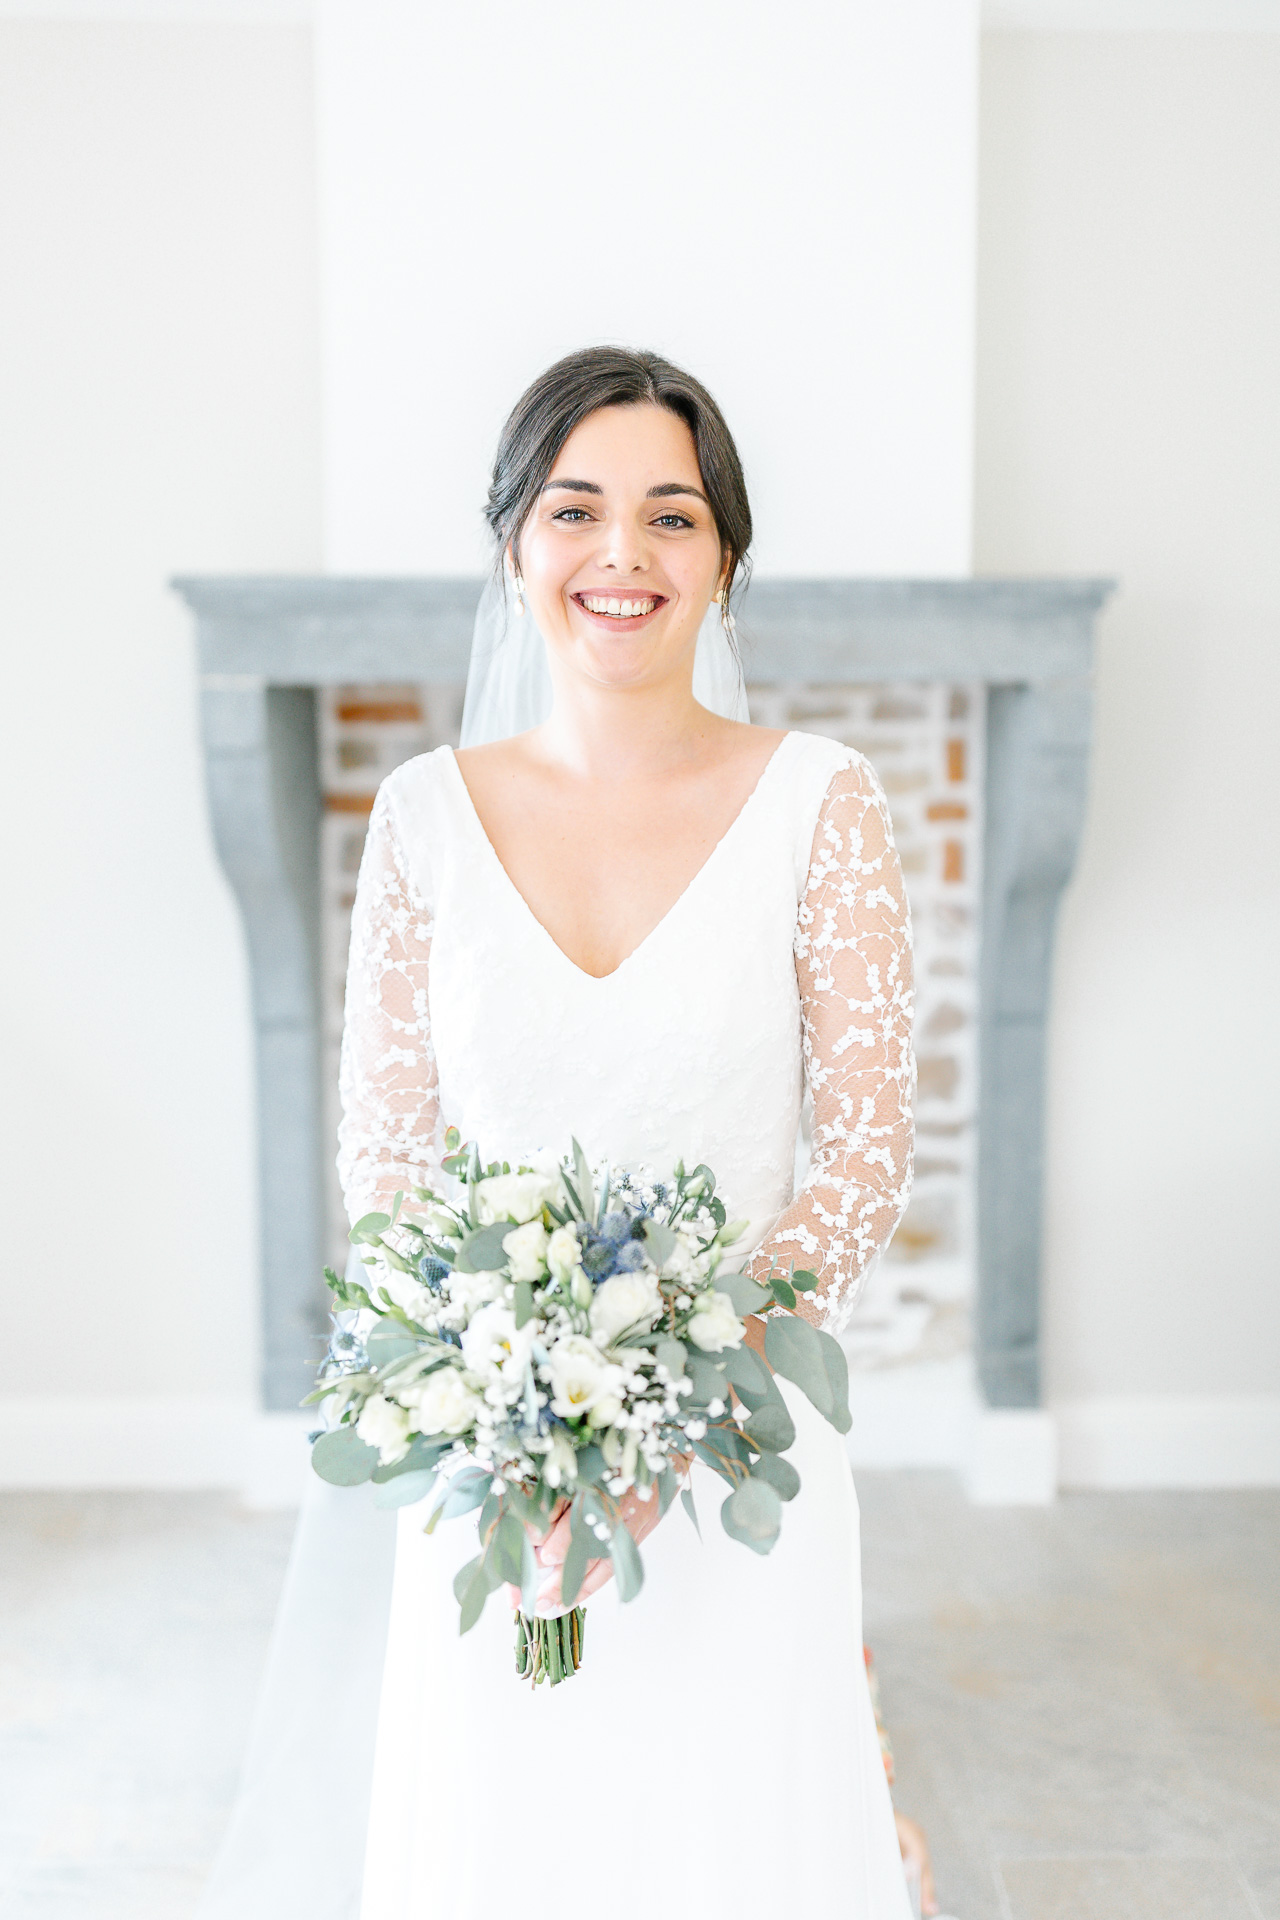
pixel 574 486
pixel 676 486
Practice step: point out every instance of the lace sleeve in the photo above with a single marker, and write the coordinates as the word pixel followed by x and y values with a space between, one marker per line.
pixel 853 963
pixel 389 1137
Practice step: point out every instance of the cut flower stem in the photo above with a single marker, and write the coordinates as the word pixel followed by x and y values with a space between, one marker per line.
pixel 549 1649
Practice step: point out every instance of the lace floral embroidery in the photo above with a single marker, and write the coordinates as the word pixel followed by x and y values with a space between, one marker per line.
pixel 853 963
pixel 390 1136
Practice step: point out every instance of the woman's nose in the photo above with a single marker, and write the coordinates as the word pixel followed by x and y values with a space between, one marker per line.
pixel 623 549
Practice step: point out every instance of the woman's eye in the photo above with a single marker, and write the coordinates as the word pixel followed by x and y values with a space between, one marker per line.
pixel 673 520
pixel 571 515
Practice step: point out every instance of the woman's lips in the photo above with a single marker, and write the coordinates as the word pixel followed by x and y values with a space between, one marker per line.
pixel 619 612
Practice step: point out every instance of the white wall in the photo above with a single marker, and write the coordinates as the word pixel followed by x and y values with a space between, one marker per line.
pixel 780 197
pixel 158 413
pixel 1129 423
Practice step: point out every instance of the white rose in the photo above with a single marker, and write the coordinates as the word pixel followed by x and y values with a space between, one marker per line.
pixel 443 1402
pixel 715 1324
pixel 525 1248
pixel 493 1340
pixel 562 1252
pixel 625 1301
pixel 581 1378
pixel 511 1196
pixel 385 1426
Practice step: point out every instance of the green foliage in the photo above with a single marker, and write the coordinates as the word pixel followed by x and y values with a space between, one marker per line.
pixel 405 1490
pixel 468 1488
pixel 746 1296
pixel 780 1474
pixel 423 1453
pixel 628 1568
pixel 708 1381
pixel 482 1250
pixel 471 1590
pixel 837 1368
pixel 342 1458
pixel 671 1355
pixel 660 1241
pixel 366 1230
pixel 686 1501
pixel 753 1515
pixel 581 1542
pixel 749 1374
pixel 784 1293
pixel 524 1302
pixel 794 1349
pixel 389 1342
pixel 771 1427
pixel 505 1549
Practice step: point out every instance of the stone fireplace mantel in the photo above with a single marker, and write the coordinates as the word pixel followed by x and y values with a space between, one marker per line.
pixel 265 645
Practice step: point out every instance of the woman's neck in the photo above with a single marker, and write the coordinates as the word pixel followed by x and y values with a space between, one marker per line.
pixel 624 733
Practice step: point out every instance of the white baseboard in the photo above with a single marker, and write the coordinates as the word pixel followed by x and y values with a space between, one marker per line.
pixel 1013 1458
pixel 129 1445
pixel 1170 1441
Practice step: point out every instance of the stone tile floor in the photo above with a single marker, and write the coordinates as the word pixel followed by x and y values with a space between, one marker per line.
pixel 1085 1701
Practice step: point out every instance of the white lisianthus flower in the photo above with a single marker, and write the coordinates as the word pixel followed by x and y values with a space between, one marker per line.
pixel 562 1252
pixel 561 1462
pixel 511 1196
pixel 714 1324
pixel 385 1426
pixel 581 1288
pixel 442 1403
pixel 626 1300
pixel 581 1378
pixel 493 1342
pixel 526 1249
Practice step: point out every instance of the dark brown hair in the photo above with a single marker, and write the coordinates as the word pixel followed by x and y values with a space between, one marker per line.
pixel 561 398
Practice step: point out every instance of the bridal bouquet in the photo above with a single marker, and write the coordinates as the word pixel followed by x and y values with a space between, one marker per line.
pixel 550 1340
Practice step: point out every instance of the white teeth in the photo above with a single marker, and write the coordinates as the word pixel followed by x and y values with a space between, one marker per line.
pixel 620 609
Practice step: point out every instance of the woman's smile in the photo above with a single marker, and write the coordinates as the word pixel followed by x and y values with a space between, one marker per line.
pixel 619 612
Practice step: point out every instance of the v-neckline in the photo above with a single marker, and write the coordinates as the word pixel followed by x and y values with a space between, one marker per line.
pixel 661 922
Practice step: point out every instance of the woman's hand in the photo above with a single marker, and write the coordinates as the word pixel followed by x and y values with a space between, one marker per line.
pixel 639 1515
pixel 915 1850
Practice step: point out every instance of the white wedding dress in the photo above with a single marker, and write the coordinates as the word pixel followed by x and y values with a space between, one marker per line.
pixel 716 1756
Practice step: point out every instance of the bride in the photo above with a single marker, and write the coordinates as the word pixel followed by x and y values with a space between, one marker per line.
pixel 623 913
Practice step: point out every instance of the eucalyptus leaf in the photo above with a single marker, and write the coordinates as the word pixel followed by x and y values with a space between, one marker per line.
pixel 343 1459
pixel 803 1281
pixel 660 1241
pixel 574 1570
pixel 368 1227
pixel 686 1501
pixel 771 1427
pixel 749 1375
pixel 462 1578
pixel 753 1515
pixel 406 1490
pixel 628 1568
pixel 388 1343
pixel 423 1453
pixel 524 1302
pixel 784 1293
pixel 507 1549
pixel 466 1490
pixel 837 1366
pixel 671 1355
pixel 473 1595
pixel 668 1487
pixel 715 1458
pixel 746 1296
pixel 780 1474
pixel 592 1465
pixel 482 1251
pixel 708 1380
pixel 794 1349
